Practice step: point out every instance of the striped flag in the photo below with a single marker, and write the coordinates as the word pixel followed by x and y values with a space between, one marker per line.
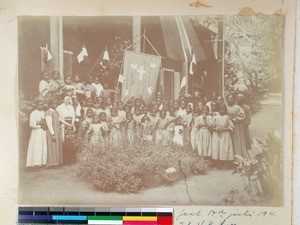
pixel 179 32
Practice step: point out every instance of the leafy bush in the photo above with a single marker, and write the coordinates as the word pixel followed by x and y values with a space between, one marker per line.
pixel 132 169
pixel 260 174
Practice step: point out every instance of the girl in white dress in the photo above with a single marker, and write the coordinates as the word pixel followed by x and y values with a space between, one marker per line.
pixel 193 126
pixel 178 131
pixel 222 147
pixel 96 132
pixel 115 135
pixel 37 147
pixel 204 135
pixel 161 132
pixel 130 126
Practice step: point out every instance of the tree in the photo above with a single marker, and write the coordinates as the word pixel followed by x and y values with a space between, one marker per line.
pixel 253 51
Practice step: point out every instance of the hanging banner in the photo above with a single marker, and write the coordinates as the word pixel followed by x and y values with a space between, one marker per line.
pixel 140 74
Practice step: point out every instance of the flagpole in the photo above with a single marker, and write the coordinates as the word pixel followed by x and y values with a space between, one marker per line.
pixel 185 63
pixel 187 78
pixel 96 62
pixel 144 40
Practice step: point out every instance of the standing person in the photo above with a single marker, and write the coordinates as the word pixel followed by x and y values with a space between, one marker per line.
pixel 177 109
pixel 137 117
pixel 98 86
pixel 56 85
pixel 37 147
pixel 79 88
pixel 130 126
pixel 237 115
pixel 44 85
pixel 161 132
pixel 214 109
pixel 78 111
pixel 137 105
pixel 115 135
pixel 89 104
pixel 193 125
pixel 199 97
pixel 220 100
pixel 54 136
pixel 105 108
pixel 213 99
pixel 122 115
pixel 178 133
pixel 247 121
pixel 204 135
pixel 90 90
pixel 67 116
pixel 185 121
pixel 108 93
pixel 170 118
pixel 222 147
pixel 97 108
pixel 104 126
pixel 86 123
pixel 95 132
pixel 147 128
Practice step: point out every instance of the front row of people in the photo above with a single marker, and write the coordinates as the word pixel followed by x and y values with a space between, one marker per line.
pixel 211 132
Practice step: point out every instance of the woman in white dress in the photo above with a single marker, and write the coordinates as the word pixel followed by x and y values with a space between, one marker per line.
pixel 37 147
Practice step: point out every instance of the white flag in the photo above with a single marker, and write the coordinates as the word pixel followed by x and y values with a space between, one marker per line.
pixel 183 82
pixel 106 55
pixel 82 54
pixel 49 56
pixel 193 65
pixel 121 78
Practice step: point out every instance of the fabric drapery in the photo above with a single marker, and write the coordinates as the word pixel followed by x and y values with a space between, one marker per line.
pixel 140 75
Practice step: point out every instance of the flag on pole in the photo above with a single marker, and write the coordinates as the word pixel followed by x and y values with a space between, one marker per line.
pixel 179 32
pixel 106 55
pixel 48 55
pixel 82 55
pixel 193 65
pixel 140 75
pixel 183 83
pixel 121 78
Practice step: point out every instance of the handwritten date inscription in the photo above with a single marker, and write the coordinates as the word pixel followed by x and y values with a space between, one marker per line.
pixel 219 217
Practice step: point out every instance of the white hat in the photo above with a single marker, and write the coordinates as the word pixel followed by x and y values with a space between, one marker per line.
pixel 105 56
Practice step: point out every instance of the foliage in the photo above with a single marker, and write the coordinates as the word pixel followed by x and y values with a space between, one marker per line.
pixel 132 169
pixel 25 108
pixel 252 53
pixel 260 173
pixel 117 50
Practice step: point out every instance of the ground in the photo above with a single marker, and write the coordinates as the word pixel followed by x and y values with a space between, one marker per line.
pixel 60 187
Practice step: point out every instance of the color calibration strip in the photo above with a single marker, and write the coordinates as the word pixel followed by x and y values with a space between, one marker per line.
pixel 97 216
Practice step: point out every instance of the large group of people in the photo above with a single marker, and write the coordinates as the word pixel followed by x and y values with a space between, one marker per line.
pixel 216 129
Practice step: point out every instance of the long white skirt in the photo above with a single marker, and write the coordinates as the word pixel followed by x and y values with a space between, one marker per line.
pixel 37 148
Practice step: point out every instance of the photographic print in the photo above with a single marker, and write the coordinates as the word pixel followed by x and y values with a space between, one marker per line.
pixel 151 110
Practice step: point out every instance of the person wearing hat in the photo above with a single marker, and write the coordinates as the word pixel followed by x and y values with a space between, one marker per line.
pixel 37 147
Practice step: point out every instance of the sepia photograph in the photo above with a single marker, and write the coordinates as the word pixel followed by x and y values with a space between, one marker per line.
pixel 151 110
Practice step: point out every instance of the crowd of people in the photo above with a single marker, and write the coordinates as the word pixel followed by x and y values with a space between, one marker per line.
pixel 217 129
